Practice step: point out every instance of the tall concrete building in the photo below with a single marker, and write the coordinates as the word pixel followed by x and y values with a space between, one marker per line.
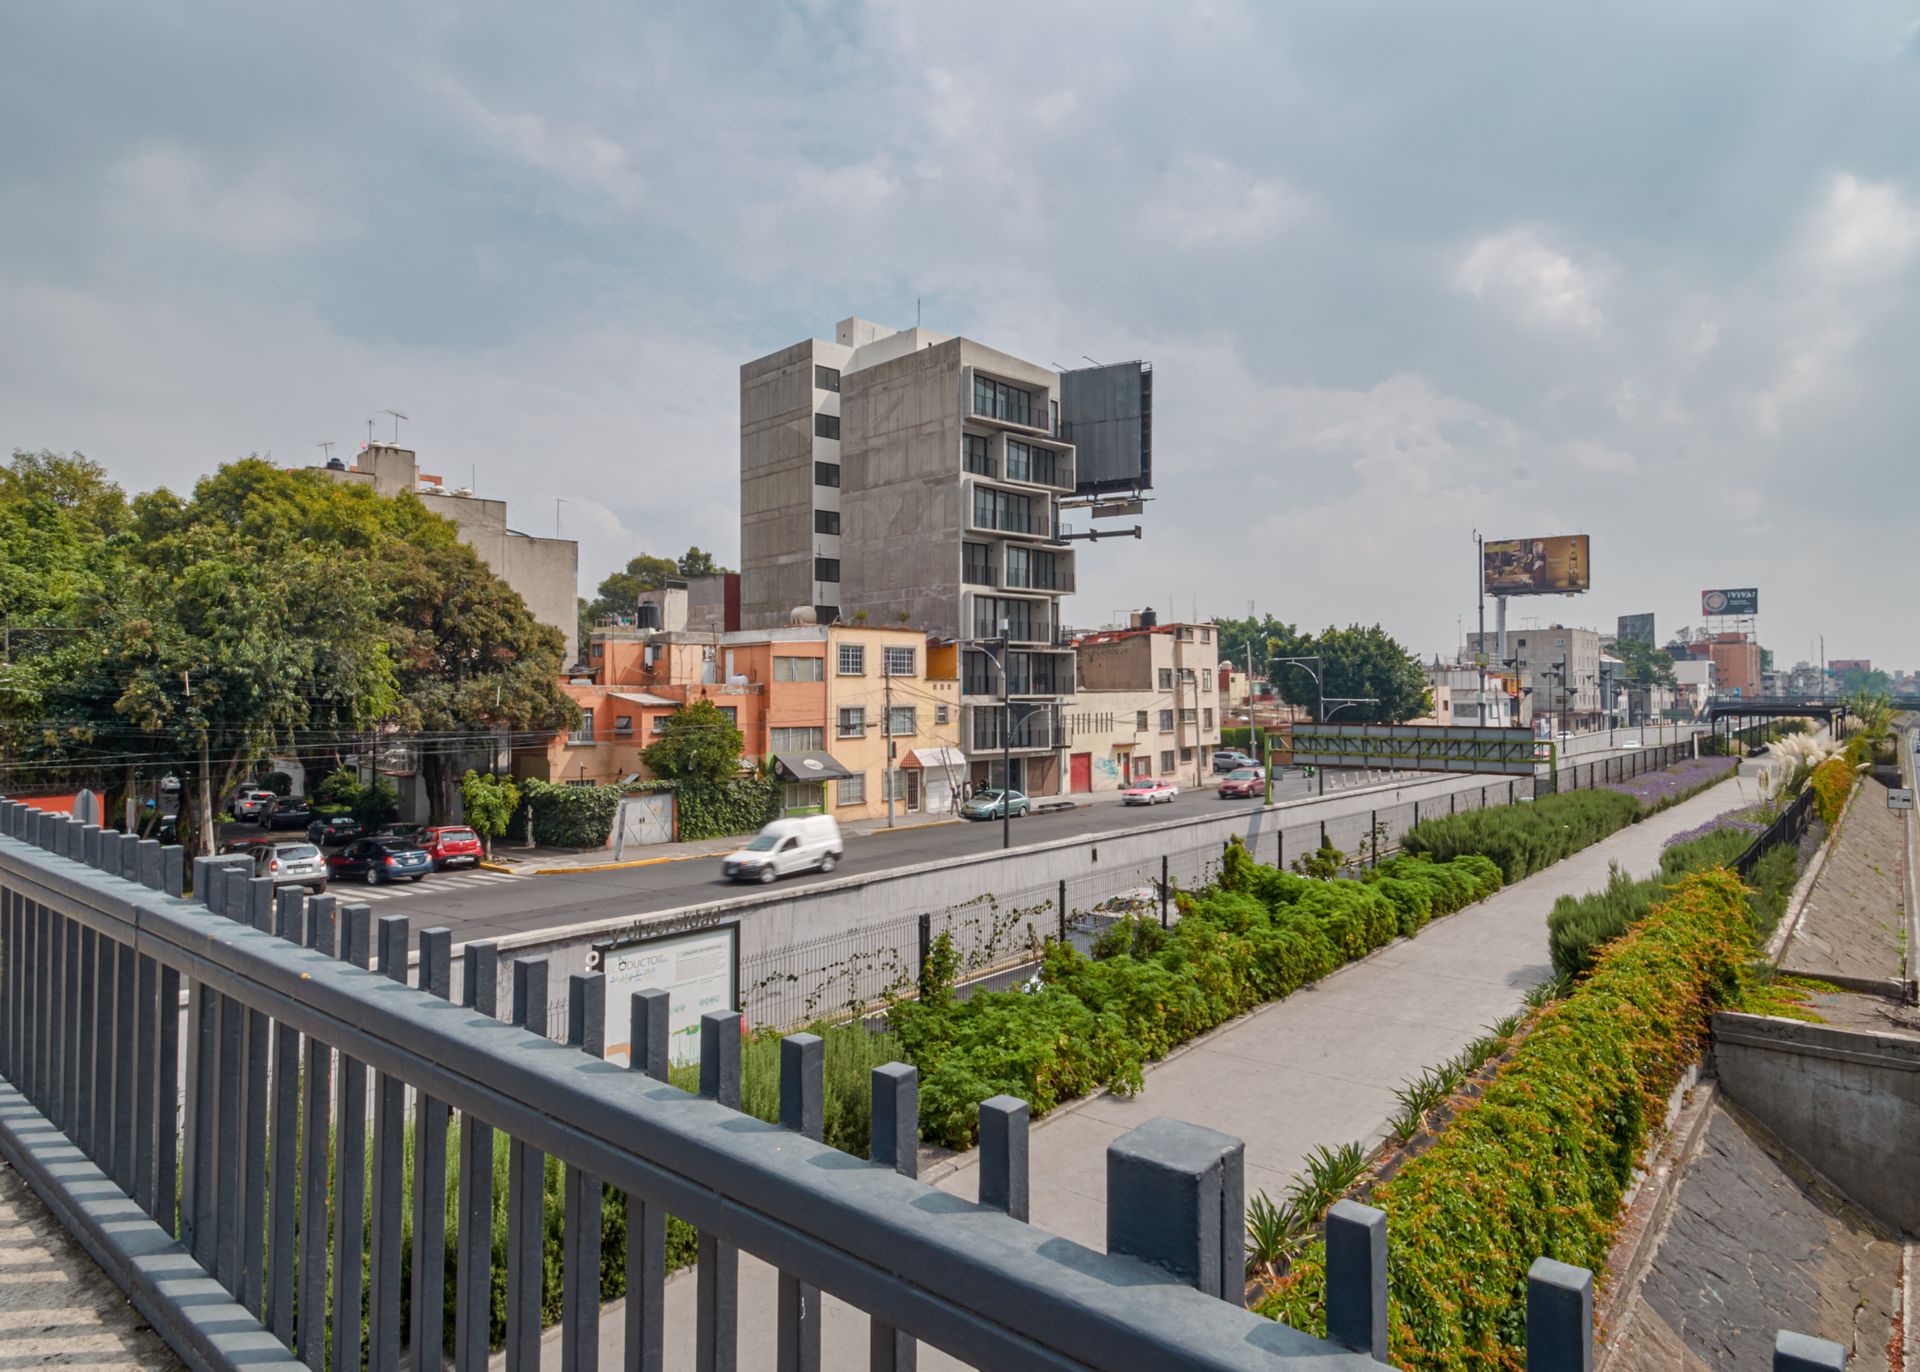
pixel 911 477
pixel 1561 670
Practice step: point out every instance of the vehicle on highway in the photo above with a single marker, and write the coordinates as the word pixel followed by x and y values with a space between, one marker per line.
pixel 1232 760
pixel 1631 743
pixel 987 803
pixel 803 843
pixel 1242 782
pixel 285 812
pixel 1149 791
pixel 247 802
pixel 291 864
pixel 453 845
pixel 335 832
pixel 374 860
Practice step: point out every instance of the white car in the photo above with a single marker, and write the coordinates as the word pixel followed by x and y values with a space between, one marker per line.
pixel 1149 791
pixel 1631 743
pixel 804 843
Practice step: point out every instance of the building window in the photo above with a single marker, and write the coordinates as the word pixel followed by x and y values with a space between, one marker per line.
pixel 1166 678
pixel 977 452
pixel 1186 676
pixel 584 734
pixel 1206 719
pixel 826 521
pixel 898 661
pixel 799 669
pixel 1188 715
pixel 598 647
pixel 1166 721
pixel 853 659
pixel 796 740
pixel 1184 634
pixel 826 378
pixel 893 784
pixel 1206 678
pixel 998 400
pixel 826 569
pixel 623 724
pixel 826 426
pixel 826 614
pixel 797 797
pixel 660 723
pixel 1206 635
pixel 732 712
pixel 1053 416
pixel 1186 755
pixel 976 564
pixel 582 781
pixel 901 722
pixel 1007 512
pixel 853 721
pixel 1166 762
pixel 826 474
pixel 941 714
pixel 851 790
pixel 1140 721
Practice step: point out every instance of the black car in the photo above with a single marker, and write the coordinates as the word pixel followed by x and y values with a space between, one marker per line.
pixel 374 860
pixel 332 833
pixel 286 812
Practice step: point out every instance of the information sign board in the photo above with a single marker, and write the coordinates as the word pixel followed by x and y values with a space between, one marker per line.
pixel 699 969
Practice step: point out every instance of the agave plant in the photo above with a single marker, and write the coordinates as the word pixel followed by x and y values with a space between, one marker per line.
pixel 1405 1122
pixel 1274 1234
pixel 1506 1027
pixel 1331 1173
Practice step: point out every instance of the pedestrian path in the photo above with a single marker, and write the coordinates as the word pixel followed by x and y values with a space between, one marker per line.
pixel 437 884
pixel 1321 1066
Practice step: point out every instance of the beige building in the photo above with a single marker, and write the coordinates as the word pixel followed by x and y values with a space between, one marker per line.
pixel 545 571
pixel 1149 704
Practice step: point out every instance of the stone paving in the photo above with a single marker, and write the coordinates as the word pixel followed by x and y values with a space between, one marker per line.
pixel 1757 1243
pixel 1852 922
pixel 57 1309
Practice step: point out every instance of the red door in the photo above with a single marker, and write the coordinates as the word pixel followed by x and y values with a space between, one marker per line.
pixel 1081 775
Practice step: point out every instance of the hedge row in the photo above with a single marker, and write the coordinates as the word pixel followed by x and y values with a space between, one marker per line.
pixel 1539 1164
pixel 707 809
pixel 1258 935
pixel 564 816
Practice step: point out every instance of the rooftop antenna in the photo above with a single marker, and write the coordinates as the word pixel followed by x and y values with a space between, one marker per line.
pixel 326 451
pixel 369 431
pixel 558 501
pixel 916 312
pixel 397 417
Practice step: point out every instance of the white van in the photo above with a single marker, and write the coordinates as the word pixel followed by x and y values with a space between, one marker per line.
pixel 785 846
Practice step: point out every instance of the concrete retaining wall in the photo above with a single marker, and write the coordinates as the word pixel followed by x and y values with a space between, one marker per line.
pixel 1846 1100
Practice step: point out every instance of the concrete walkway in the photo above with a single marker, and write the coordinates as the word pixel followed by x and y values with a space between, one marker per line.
pixel 1321 1066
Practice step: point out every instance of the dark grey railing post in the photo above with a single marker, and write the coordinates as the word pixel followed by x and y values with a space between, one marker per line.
pixel 473 1271
pixel 1176 1198
pixel 126 1064
pixel 803 1064
pixel 580 1263
pixel 350 1163
pixel 1357 1278
pixel 717 1273
pixel 428 1329
pixel 646 1255
pixel 1003 1154
pixel 316 1119
pixel 161 870
pixel 283 1152
pixel 389 1135
pixel 1800 1353
pixel 526 1193
pixel 894 1141
pixel 253 1143
pixel 1559 1317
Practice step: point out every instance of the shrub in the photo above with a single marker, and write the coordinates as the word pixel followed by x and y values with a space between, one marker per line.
pixel 376 804
pixel 1832 782
pixel 278 782
pixel 709 809
pixel 340 787
pixel 1538 1165
pixel 569 816
pixel 488 802
pixel 1523 839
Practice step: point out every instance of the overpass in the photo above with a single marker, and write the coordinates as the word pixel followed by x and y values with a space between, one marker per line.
pixel 1777 708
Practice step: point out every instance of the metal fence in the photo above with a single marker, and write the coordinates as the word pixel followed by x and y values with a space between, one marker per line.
pixel 1789 826
pixel 999 936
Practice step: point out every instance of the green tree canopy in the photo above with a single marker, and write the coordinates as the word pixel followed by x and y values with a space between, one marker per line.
pixel 619 592
pixel 1354 661
pixel 1645 664
pixel 697 744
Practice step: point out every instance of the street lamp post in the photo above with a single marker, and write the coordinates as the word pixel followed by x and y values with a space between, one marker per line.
pixel 1337 704
pixel 1318 702
pixel 1006 734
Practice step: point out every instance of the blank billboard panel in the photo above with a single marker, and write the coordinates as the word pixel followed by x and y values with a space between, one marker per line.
pixel 1107 414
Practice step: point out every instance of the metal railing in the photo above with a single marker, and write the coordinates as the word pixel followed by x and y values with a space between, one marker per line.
pixel 302 1028
pixel 1789 826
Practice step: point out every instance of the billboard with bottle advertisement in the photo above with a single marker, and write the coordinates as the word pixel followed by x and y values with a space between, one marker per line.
pixel 1560 565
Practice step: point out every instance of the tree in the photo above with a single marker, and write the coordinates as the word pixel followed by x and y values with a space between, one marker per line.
pixel 1355 661
pixel 1865 681
pixel 619 592
pixel 1645 664
pixel 696 744
pixel 489 802
pixel 699 562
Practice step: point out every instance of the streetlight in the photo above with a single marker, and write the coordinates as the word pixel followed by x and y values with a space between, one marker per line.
pixel 1318 701
pixel 1006 732
pixel 1340 703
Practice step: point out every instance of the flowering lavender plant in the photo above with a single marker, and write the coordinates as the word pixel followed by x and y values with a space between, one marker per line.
pixel 1663 787
pixel 1744 820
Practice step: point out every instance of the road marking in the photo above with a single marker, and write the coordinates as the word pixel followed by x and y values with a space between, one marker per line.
pixel 428 885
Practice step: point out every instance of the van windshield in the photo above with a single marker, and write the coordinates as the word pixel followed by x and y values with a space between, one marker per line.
pixel 764 843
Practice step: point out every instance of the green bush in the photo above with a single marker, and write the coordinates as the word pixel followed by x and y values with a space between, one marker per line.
pixel 376 804
pixel 851 1052
pixel 1538 1164
pixel 1523 839
pixel 717 809
pixel 340 787
pixel 568 816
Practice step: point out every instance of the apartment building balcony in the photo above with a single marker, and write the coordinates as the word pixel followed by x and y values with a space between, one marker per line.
pixel 1035 728
pixel 1029 673
pixel 1020 514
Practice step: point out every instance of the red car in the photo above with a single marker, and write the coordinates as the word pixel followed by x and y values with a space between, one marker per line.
pixel 451 845
pixel 1242 782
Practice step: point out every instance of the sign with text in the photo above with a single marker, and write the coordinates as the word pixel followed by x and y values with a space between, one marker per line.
pixel 1559 565
pixel 1900 798
pixel 1739 600
pixel 699 969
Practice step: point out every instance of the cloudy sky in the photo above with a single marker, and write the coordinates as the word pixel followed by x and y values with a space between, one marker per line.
pixel 1644 271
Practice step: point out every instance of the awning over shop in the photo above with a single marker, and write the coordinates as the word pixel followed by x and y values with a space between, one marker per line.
pixel 809 767
pixel 931 758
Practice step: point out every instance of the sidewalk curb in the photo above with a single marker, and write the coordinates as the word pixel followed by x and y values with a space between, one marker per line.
pixel 621 866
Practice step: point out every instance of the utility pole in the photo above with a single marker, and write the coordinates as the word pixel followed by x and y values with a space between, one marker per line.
pixel 1006 741
pixel 886 767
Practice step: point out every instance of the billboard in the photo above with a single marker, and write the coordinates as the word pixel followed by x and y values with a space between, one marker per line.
pixel 1537 566
pixel 1840 666
pixel 1107 414
pixel 1744 600
pixel 1635 629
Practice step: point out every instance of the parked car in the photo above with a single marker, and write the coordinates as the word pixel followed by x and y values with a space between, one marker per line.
pixel 1149 791
pixel 987 804
pixel 374 860
pixel 1242 782
pixel 286 812
pixel 803 843
pixel 242 845
pixel 247 802
pixel 291 864
pixel 452 845
pixel 1232 760
pixel 335 832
